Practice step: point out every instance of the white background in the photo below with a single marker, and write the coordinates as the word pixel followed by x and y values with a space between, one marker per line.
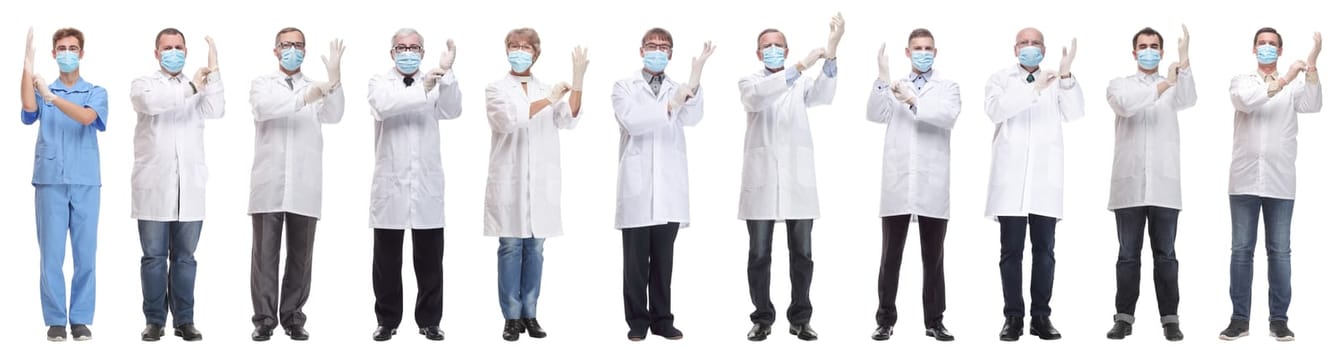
pixel 580 302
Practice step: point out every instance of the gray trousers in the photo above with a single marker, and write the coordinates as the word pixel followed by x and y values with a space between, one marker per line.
pixel 266 289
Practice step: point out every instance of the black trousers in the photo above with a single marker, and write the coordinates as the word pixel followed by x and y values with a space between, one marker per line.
pixel 932 233
pixel 800 268
pixel 1160 224
pixel 648 271
pixel 427 247
pixel 298 232
pixel 1012 236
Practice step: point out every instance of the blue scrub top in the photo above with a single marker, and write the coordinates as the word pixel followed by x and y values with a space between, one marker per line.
pixel 67 152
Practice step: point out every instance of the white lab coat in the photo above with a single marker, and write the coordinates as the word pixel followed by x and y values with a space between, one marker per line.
pixel 287 165
pixel 653 182
pixel 168 180
pixel 1027 172
pixel 916 166
pixel 778 178
pixel 1146 168
pixel 407 191
pixel 522 192
pixel 1263 154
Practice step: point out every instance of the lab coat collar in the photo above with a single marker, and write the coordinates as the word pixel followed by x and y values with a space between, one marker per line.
pixel 165 76
pixel 517 80
pixel 394 74
pixel 642 77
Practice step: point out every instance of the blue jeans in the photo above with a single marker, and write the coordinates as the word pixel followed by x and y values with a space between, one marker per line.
pixel 73 209
pixel 519 276
pixel 168 270
pixel 1245 211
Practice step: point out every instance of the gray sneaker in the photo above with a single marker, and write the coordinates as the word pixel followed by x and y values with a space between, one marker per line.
pixel 80 332
pixel 56 333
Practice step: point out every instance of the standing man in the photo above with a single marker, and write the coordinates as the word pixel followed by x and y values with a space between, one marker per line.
pixel 1028 107
pixel 289 109
pixel 168 181
pixel 1145 181
pixel 653 193
pixel 67 180
pixel 407 104
pixel 1263 176
pixel 778 180
pixel 919 111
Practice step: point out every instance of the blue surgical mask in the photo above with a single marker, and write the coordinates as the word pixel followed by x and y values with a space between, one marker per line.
pixel 408 62
pixel 655 61
pixel 1267 54
pixel 1030 56
pixel 922 59
pixel 67 60
pixel 291 59
pixel 520 60
pixel 173 60
pixel 773 57
pixel 1148 58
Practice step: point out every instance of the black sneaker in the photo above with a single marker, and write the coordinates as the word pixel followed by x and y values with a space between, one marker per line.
pixel 56 333
pixel 1278 329
pixel 80 332
pixel 1172 331
pixel 1235 330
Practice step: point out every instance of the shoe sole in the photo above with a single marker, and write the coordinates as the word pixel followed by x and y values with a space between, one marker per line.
pixel 1286 338
pixel 934 336
pixel 56 339
pixel 179 334
pixel 793 332
pixel 1119 337
pixel 1238 336
pixel 83 338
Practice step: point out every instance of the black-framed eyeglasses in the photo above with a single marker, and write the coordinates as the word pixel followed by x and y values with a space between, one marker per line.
pixel 71 48
pixel 408 48
pixel 657 47
pixel 290 44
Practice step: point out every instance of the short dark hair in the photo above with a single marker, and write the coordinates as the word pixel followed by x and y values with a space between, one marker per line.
pixel 767 31
pixel 658 33
pixel 921 33
pixel 66 33
pixel 168 31
pixel 1268 30
pixel 1149 31
pixel 289 30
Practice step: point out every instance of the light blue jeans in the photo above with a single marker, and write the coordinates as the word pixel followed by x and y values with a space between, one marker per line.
pixel 519 276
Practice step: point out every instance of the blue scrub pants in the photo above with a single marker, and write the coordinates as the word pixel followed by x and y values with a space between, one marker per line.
pixel 73 209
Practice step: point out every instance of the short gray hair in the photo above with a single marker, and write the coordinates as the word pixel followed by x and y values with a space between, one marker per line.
pixel 406 32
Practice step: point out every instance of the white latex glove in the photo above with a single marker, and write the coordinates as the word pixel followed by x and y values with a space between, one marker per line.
pixel 836 31
pixel 316 91
pixel 40 85
pixel 811 58
pixel 883 65
pixel 1314 52
pixel 1066 64
pixel 431 79
pixel 1043 79
pixel 333 62
pixel 202 78
pixel 558 91
pixel 679 99
pixel 1184 47
pixel 580 67
pixel 1296 68
pixel 28 56
pixel 904 93
pixel 1174 73
pixel 697 64
pixel 213 61
pixel 449 56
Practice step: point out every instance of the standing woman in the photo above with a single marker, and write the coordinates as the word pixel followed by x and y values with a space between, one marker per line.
pixel 522 193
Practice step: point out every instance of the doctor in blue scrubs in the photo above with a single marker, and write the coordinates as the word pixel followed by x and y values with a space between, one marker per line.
pixel 69 114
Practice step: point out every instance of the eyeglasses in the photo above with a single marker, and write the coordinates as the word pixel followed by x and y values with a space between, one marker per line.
pixel 290 44
pixel 1025 43
pixel 657 47
pixel 408 48
pixel 512 47
pixel 71 48
pixel 769 45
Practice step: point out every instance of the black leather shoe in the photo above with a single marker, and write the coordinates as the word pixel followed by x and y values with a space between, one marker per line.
pixel 802 331
pixel 261 333
pixel 637 334
pixel 1120 330
pixel 152 332
pixel 296 333
pixel 1011 329
pixel 882 333
pixel 534 329
pixel 432 333
pixel 758 332
pixel 383 333
pixel 1172 331
pixel 669 332
pixel 1041 327
pixel 939 332
pixel 512 328
pixel 187 332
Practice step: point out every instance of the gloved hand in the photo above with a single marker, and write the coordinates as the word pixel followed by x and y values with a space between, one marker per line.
pixel 697 64
pixel 1044 79
pixel 1184 47
pixel 1314 52
pixel 28 56
pixel 904 93
pixel 679 98
pixel 431 79
pixel 557 92
pixel 40 85
pixel 202 77
pixel 449 56
pixel 316 91
pixel 811 59
pixel 213 61
pixel 333 62
pixel 1066 64
pixel 836 31
pixel 580 67
pixel 1174 73
pixel 883 65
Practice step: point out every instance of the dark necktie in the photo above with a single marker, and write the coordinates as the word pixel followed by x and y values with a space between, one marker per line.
pixel 1030 78
pixel 290 81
